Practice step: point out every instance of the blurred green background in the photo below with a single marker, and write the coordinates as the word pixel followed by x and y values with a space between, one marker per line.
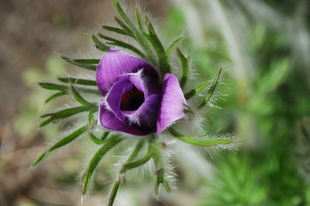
pixel 264 48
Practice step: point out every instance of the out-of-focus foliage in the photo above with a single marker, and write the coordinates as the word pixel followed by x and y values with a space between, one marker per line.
pixel 31 106
pixel 269 96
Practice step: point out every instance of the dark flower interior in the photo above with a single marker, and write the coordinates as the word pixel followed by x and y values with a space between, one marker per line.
pixel 132 100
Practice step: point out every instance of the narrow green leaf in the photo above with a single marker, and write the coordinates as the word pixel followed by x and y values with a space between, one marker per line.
pixel 116 30
pixel 71 80
pixel 85 66
pixel 65 111
pixel 88 174
pixel 64 141
pixel 133 155
pixel 134 164
pixel 159 49
pixel 196 90
pixel 54 96
pixel 52 86
pixel 95 139
pixel 136 151
pixel 99 45
pixel 104 135
pixel 211 89
pixel 130 28
pixel 91 119
pixel 121 44
pixel 77 96
pixel 155 38
pixel 62 114
pixel 160 179
pixel 124 27
pixel 139 20
pixel 172 45
pixel 185 67
pixel 118 181
pixel 164 67
pixel 86 61
pixel 121 12
pixel 90 91
pixel 199 142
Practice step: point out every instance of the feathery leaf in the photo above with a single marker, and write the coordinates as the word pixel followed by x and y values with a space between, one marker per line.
pixel 82 65
pixel 211 89
pixel 185 67
pixel 72 80
pixel 52 86
pixel 77 96
pixel 99 45
pixel 64 141
pixel 199 142
pixel 88 174
pixel 54 96
pixel 62 114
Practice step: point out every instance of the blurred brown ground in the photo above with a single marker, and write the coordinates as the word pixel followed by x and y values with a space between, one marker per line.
pixel 30 32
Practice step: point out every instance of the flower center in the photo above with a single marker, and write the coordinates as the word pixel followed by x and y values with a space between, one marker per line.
pixel 132 100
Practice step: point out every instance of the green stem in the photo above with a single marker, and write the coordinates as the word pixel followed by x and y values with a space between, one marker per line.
pixel 142 161
pixel 120 178
pixel 110 143
pixel 95 139
pixel 136 151
pixel 160 173
pixel 114 192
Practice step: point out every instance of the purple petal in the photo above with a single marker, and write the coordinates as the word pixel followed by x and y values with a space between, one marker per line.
pixel 115 63
pixel 123 85
pixel 109 121
pixel 114 97
pixel 147 84
pixel 172 103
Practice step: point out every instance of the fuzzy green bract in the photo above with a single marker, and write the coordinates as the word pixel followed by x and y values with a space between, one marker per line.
pixel 140 97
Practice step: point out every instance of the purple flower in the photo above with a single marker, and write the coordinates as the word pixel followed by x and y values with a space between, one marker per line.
pixel 135 100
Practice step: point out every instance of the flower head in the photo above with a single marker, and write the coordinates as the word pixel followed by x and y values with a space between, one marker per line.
pixel 135 100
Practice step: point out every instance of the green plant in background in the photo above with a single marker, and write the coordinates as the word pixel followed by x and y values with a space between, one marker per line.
pixel 269 95
pixel 234 183
pixel 26 121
